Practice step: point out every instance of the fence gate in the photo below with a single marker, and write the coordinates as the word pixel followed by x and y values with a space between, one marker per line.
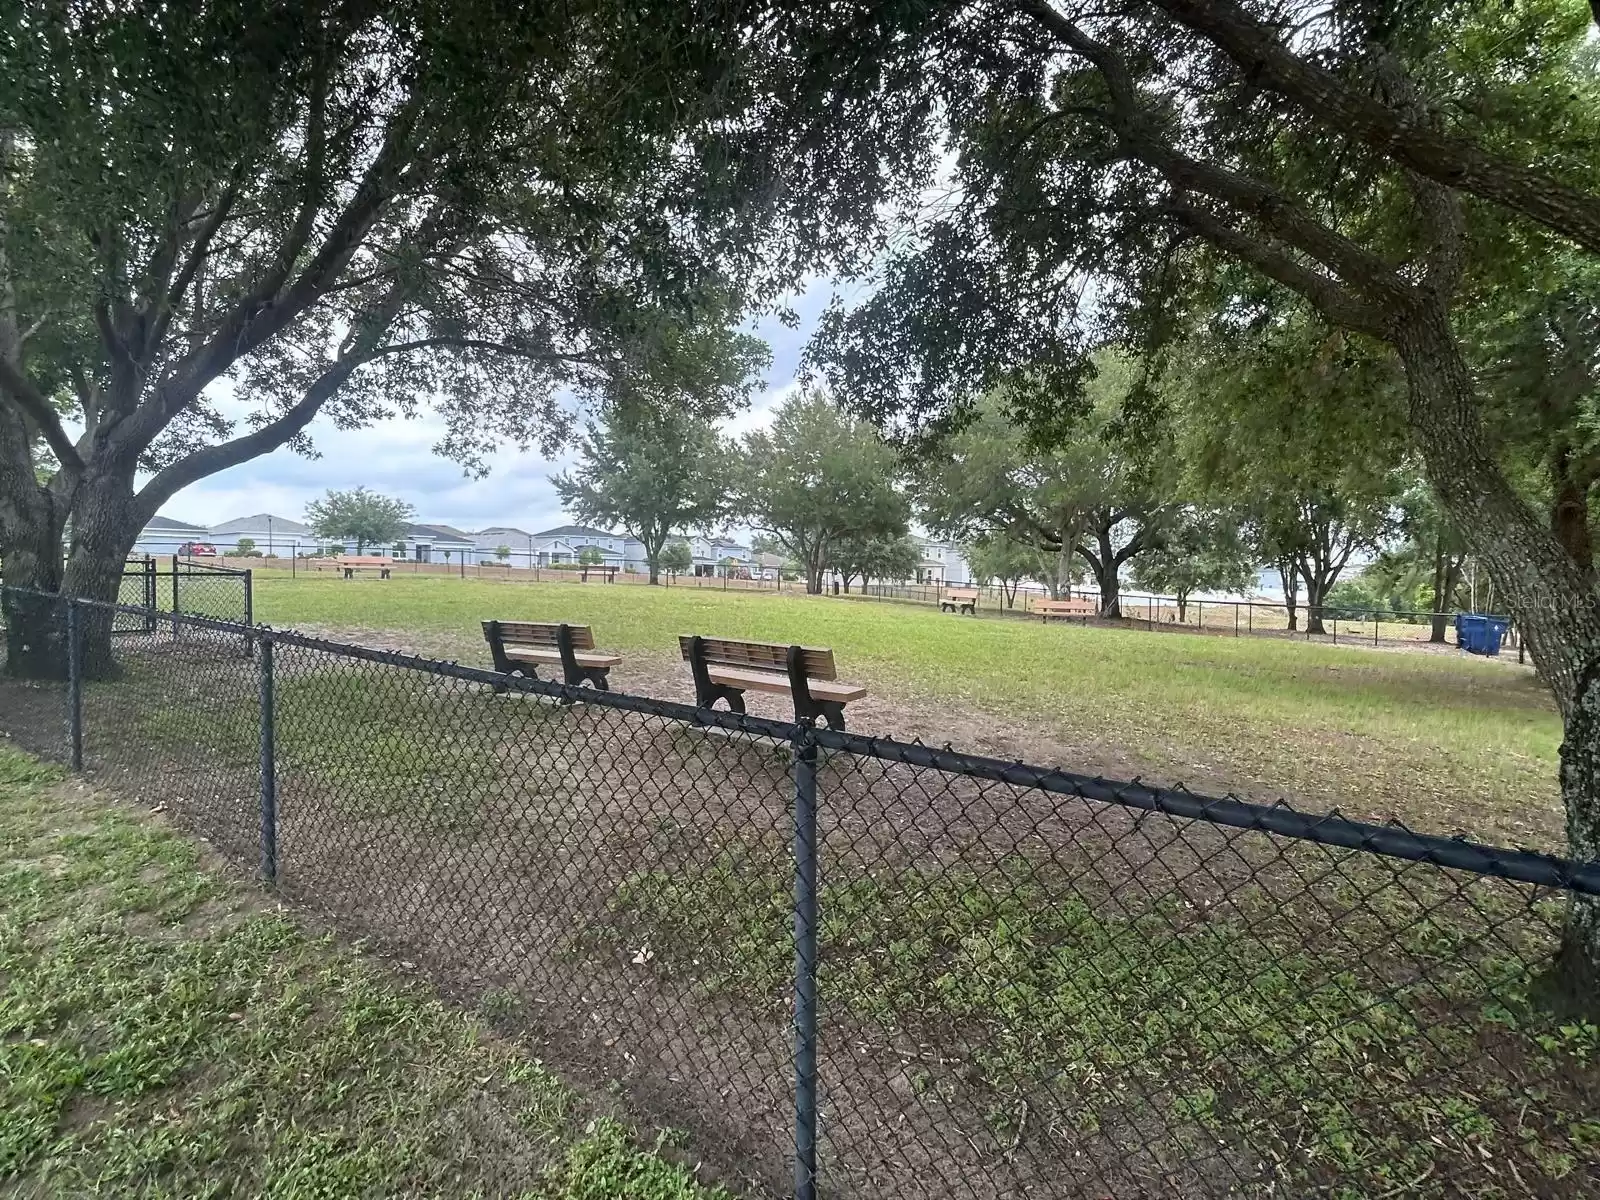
pixel 137 590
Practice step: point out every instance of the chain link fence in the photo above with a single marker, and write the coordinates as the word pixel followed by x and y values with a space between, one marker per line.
pixel 854 966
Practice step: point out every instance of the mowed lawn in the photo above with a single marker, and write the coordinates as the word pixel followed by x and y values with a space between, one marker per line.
pixel 168 1032
pixel 1447 743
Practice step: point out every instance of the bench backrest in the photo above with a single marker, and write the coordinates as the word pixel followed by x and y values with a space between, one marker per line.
pixel 762 656
pixel 539 633
pixel 959 594
pixel 1065 606
pixel 364 560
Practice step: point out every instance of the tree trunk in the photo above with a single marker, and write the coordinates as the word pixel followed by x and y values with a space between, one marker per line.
pixel 105 525
pixel 35 626
pixel 1183 606
pixel 1290 578
pixel 1316 592
pixel 1569 513
pixel 1446 575
pixel 1548 594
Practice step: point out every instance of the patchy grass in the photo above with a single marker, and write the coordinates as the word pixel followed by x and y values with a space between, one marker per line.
pixel 1449 744
pixel 163 1032
pixel 1242 1038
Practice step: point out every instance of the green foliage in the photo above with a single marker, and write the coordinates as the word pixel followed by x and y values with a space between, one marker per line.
pixel 885 559
pixel 653 470
pixel 1089 492
pixel 1199 550
pixel 590 556
pixel 356 211
pixel 1003 560
pixel 246 546
pixel 676 557
pixel 818 477
pixel 359 515
pixel 502 552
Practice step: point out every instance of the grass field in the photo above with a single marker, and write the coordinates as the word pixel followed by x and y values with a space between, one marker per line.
pixel 166 1032
pixel 1448 744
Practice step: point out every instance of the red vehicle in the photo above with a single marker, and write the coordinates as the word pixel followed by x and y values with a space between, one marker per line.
pixel 198 550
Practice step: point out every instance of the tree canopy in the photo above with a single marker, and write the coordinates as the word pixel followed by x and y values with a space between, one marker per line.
pixel 358 515
pixel 817 478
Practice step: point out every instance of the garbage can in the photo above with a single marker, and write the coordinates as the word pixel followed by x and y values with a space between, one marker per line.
pixel 1494 628
pixel 1470 632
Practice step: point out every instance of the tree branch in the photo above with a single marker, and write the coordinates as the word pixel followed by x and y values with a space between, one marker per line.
pixel 1333 301
pixel 32 402
pixel 211 459
pixel 1457 162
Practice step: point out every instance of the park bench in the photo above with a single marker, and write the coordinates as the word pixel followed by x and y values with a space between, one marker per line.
pixel 1066 608
pixel 349 564
pixel 525 645
pixel 957 600
pixel 724 670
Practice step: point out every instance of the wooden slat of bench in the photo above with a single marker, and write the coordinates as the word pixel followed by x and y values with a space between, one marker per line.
pixel 769 656
pixel 541 633
pixel 959 595
pixel 582 658
pixel 1075 607
pixel 767 681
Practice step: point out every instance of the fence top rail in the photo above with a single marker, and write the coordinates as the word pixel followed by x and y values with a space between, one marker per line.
pixel 1392 840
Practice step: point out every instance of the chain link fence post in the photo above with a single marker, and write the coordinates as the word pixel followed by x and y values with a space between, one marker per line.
pixel 805 963
pixel 269 767
pixel 75 683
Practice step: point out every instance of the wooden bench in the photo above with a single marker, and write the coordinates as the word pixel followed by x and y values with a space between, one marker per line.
pixel 1066 608
pixel 725 670
pixel 957 600
pixel 523 646
pixel 349 564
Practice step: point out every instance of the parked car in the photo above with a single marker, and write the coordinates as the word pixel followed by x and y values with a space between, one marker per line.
pixel 198 550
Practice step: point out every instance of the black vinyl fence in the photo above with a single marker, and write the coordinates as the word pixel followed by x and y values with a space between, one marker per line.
pixel 847 965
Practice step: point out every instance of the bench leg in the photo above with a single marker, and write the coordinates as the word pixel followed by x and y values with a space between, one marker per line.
pixel 833 714
pixel 595 676
pixel 734 697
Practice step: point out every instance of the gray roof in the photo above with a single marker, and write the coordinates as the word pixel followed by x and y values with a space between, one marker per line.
pixel 562 531
pixel 168 525
pixel 438 532
pixel 258 523
pixel 502 531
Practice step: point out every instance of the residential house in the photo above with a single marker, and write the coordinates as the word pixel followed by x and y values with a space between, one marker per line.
pixel 163 535
pixel 768 566
pixel 518 541
pixel 430 543
pixel 271 534
pixel 708 554
pixel 942 562
pixel 566 544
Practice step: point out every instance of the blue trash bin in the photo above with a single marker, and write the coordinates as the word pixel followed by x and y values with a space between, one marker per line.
pixel 1494 628
pixel 1470 632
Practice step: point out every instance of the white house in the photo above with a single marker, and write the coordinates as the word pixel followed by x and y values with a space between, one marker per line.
pixel 163 535
pixel 708 554
pixel 942 562
pixel 566 543
pixel 271 534
pixel 430 543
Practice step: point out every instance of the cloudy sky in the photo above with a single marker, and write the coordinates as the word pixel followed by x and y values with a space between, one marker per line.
pixel 396 458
